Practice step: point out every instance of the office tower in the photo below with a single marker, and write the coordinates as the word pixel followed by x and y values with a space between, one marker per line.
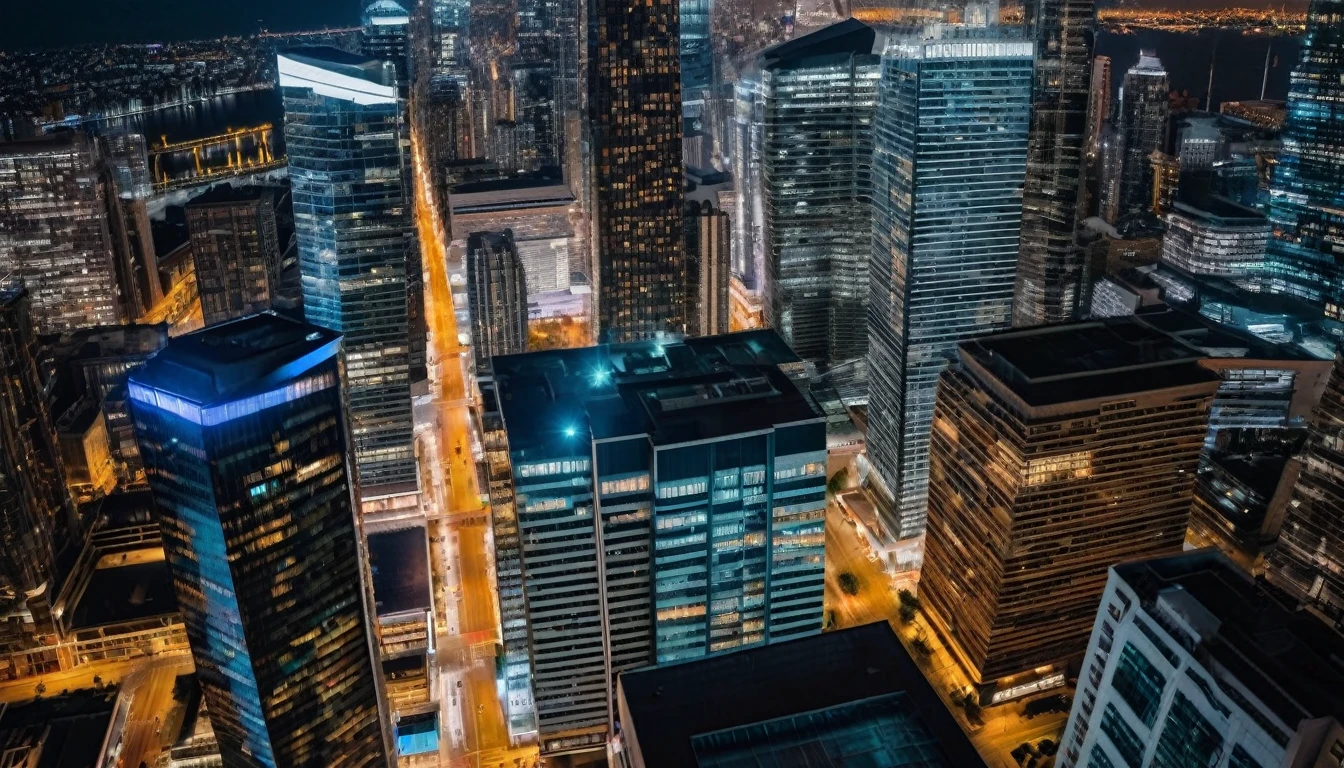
pixel 243 435
pixel 385 35
pixel 538 130
pixel 1111 162
pixel 452 20
pixel 544 218
pixel 1057 451
pixel 236 250
pixel 447 133
pixel 748 127
pixel 54 232
pixel 352 218
pixel 637 199
pixel 819 93
pixel 1309 561
pixel 497 296
pixel 1099 108
pixel 1218 238
pixel 127 186
pixel 850 692
pixel 1306 193
pixel 1051 273
pixel 945 233
pixel 1199 143
pixel 669 503
pixel 697 56
pixel 1191 663
pixel 37 518
pixel 708 246
pixel 1141 123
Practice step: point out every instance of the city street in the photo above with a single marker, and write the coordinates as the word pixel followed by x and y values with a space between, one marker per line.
pixel 150 689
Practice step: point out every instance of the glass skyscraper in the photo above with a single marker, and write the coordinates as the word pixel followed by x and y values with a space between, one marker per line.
pixel 634 120
pixel 1306 195
pixel 666 502
pixel 819 93
pixel 1050 273
pixel 1141 127
pixel 948 167
pixel 242 430
pixel 496 295
pixel 697 55
pixel 352 216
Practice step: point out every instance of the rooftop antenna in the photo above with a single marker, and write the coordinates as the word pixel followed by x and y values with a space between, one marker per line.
pixel 1264 81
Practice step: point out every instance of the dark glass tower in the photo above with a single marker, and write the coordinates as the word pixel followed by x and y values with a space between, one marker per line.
pixel 634 108
pixel 343 128
pixel 386 36
pixel 236 251
pixel 243 435
pixel 1306 196
pixel 1050 265
pixel 497 295
pixel 1141 127
pixel 1309 559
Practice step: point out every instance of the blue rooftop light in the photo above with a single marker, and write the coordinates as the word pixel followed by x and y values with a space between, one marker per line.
pixel 601 376
pixel 570 431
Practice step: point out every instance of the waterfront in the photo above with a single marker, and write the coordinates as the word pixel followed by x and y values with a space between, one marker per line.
pixel 209 117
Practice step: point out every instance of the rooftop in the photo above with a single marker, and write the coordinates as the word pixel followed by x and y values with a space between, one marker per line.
pixel 1216 210
pixel 221 194
pixel 674 392
pixel 839 40
pixel 852 697
pixel 1057 364
pixel 399 562
pixel 1288 658
pixel 125 593
pixel 225 361
pixel 62 732
pixel 1215 339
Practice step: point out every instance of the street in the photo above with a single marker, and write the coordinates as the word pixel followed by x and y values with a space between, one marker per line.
pixel 150 689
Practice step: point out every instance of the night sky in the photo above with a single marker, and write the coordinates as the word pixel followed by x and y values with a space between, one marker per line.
pixel 57 23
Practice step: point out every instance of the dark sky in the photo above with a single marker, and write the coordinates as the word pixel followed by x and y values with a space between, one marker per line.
pixel 58 23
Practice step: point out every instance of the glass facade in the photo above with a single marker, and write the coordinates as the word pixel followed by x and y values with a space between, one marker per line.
pixel 1141 131
pixel 819 93
pixel 496 295
pixel 1139 683
pixel 236 252
pixel 352 218
pixel 1051 267
pixel 1123 738
pixel 635 124
pixel 242 433
pixel 1309 558
pixel 1188 740
pixel 948 168
pixel 1306 193
pixel 54 232
pixel 697 55
pixel 1218 238
pixel 708 268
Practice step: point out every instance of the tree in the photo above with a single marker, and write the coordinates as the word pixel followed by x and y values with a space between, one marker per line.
pixel 1047 747
pixel 849 583
pixel 909 606
pixel 40 689
pixel 921 647
pixel 837 482
pixel 971 704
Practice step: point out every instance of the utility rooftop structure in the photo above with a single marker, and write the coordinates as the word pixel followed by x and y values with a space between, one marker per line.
pixel 847 698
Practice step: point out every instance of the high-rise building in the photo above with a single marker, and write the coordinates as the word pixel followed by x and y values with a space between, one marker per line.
pixel 748 126
pixel 637 198
pixel 1141 125
pixel 697 55
pixel 1306 193
pixel 37 517
pixel 819 93
pixel 243 435
pixel 54 232
pixel 1057 452
pixel 669 503
pixel 1190 663
pixel 949 163
pixel 1099 108
pixel 708 256
pixel 1309 560
pixel 236 249
pixel 1217 237
pixel 352 218
pixel 385 35
pixel 1051 273
pixel 496 295
pixel 543 216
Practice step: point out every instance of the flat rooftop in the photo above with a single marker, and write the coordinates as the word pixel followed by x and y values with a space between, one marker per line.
pixel 1288 658
pixel 126 593
pixel 673 392
pixel 227 194
pixel 852 697
pixel 1215 210
pixel 1215 339
pixel 399 561
pixel 62 732
pixel 1056 364
pixel 338 60
pixel 225 361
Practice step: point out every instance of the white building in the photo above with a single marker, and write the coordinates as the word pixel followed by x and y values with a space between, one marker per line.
pixel 1193 664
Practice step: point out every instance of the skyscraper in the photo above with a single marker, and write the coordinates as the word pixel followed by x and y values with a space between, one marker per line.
pixel 1099 108
pixel 1309 559
pixel 386 36
pixel 235 247
pixel 243 435
pixel 1191 663
pixel 669 503
pixel 1216 237
pixel 352 217
pixel 1141 126
pixel 1052 266
pixel 54 232
pixel 634 119
pixel 1306 194
pixel 948 166
pixel 697 55
pixel 819 93
pixel 496 295
pixel 1056 452
pixel 708 246
pixel 36 514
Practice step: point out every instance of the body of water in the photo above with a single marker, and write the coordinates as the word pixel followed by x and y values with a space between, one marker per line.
pixel 210 117
pixel 1238 66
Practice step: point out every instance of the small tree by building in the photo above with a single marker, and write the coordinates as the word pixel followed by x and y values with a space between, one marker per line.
pixel 837 482
pixel 849 583
pixel 909 606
